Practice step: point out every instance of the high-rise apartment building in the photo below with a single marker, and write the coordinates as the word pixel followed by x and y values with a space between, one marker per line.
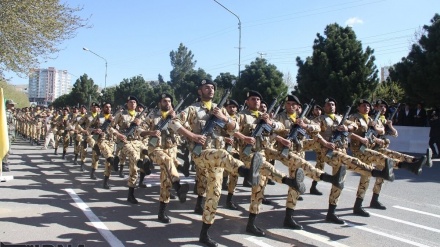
pixel 384 73
pixel 45 85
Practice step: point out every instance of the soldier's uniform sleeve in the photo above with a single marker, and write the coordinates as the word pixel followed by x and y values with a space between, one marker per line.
pixel 115 123
pixel 184 116
pixel 312 127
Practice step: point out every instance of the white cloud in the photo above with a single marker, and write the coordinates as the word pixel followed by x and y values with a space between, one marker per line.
pixel 353 20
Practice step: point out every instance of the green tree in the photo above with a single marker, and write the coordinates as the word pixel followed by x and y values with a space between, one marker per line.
pixel 390 91
pixel 262 77
pixel 183 68
pixel 10 92
pixel 190 85
pixel 64 100
pixel 108 95
pixel 338 68
pixel 33 29
pixel 136 86
pixel 84 91
pixel 419 72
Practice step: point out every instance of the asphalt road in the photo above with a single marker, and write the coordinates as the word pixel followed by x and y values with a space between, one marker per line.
pixel 50 202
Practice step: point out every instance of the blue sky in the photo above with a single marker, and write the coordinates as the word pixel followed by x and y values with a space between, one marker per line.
pixel 136 36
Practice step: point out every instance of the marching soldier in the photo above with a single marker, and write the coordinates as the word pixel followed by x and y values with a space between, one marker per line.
pixel 132 147
pixel 332 150
pixel 163 151
pixel 104 143
pixel 10 121
pixel 381 146
pixel 212 154
pixel 62 123
pixel 257 145
pixel 87 140
pixel 78 136
pixel 360 146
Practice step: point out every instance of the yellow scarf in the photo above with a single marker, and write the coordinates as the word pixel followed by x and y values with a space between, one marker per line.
pixel 131 112
pixel 164 114
pixel 382 119
pixel 82 115
pixel 255 113
pixel 94 114
pixel 207 104
pixel 365 116
pixel 106 116
pixel 65 117
pixel 292 116
pixel 332 116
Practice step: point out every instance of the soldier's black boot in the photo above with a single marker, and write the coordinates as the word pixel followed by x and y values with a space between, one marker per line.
pixel 205 238
pixel 116 163
pixel 252 175
pixel 375 202
pixel 75 159
pixel 141 180
pixel 193 166
pixel 387 172
pixel 358 209
pixel 252 228
pixel 162 216
pixel 5 167
pixel 270 182
pixel 131 197
pixel 183 170
pixel 199 209
pixel 56 151
pixel 414 167
pixel 332 217
pixel 106 185
pixel 289 222
pixel 195 188
pixel 82 166
pixel 337 179
pixel 296 183
pixel 225 183
pixel 64 155
pixel 229 203
pixel 147 164
pixel 246 184
pixel 182 190
pixel 92 174
pixel 314 190
pixel 121 171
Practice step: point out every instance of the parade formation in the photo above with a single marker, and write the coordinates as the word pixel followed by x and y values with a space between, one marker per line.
pixel 225 141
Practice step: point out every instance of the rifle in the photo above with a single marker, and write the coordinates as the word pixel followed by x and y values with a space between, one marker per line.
pixel 391 117
pixel 258 131
pixel 162 125
pixel 211 123
pixel 337 135
pixel 132 128
pixel 371 132
pixel 296 130
pixel 275 113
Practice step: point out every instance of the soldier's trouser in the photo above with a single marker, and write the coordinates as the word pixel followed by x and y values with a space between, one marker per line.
pixel 118 152
pixel 64 139
pixel 293 162
pixel 201 179
pixel 168 172
pixel 394 155
pixel 338 158
pixel 132 150
pixel 78 143
pixel 106 148
pixel 267 171
pixel 209 159
pixel 370 157
pixel 90 142
pixel 38 131
pixel 213 193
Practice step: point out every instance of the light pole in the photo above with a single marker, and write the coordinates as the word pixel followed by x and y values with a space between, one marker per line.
pixel 239 36
pixel 105 79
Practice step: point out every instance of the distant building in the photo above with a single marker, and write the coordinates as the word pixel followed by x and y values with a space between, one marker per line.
pixel 384 73
pixel 45 85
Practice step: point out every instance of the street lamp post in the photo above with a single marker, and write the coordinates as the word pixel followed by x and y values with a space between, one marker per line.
pixel 105 79
pixel 239 36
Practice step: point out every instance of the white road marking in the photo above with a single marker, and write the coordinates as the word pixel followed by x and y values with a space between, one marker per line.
pixel 417 211
pixel 101 227
pixel 406 222
pixel 258 242
pixel 387 235
pixel 320 238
